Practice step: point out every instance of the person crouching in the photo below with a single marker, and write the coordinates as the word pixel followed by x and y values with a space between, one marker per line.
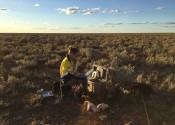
pixel 68 72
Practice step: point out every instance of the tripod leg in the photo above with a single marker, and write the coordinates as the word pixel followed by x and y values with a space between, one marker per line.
pixel 60 91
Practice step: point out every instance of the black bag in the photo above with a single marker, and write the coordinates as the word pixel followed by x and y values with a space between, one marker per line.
pixel 64 88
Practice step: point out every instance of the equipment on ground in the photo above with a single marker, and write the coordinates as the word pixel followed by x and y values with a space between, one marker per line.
pixel 96 77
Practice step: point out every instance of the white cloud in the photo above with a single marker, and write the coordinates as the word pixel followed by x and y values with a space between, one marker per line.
pixel 135 11
pixel 69 10
pixel 3 10
pixel 160 8
pixel 114 11
pixel 89 11
pixel 74 9
pixel 110 24
pixel 70 28
pixel 167 22
pixel 162 22
pixel 105 10
pixel 36 5
pixel 138 23
pixel 95 9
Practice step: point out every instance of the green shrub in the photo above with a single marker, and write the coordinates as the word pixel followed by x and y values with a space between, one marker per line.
pixel 9 60
pixel 123 74
pixel 168 83
pixel 123 58
pixel 13 84
pixel 5 51
pixel 103 62
pixel 29 64
pixel 24 40
pixel 19 56
pixel 91 53
pixel 18 71
pixel 8 39
pixel 28 85
pixel 52 63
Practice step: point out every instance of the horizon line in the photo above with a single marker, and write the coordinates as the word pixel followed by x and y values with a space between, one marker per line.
pixel 82 33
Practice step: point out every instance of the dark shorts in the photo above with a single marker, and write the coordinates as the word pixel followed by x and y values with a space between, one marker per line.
pixel 78 79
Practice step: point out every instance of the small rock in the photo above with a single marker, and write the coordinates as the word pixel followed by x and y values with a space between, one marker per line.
pixel 39 91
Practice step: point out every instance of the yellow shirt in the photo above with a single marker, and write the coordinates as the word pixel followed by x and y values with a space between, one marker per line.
pixel 66 66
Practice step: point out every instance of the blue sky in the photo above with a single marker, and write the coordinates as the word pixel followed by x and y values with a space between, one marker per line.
pixel 87 16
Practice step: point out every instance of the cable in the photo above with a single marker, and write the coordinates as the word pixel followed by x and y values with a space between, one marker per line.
pixel 145 109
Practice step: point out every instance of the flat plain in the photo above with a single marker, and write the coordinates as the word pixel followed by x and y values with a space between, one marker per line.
pixel 29 62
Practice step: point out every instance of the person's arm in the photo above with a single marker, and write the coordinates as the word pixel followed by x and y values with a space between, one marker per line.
pixel 66 67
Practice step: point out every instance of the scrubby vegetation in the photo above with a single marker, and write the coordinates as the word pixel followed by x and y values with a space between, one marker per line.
pixel 29 62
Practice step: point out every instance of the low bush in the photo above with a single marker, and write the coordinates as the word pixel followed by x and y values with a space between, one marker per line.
pixel 122 74
pixel 18 71
pixel 52 63
pixel 91 53
pixel 13 84
pixel 168 83
pixel 29 64
pixel 9 60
